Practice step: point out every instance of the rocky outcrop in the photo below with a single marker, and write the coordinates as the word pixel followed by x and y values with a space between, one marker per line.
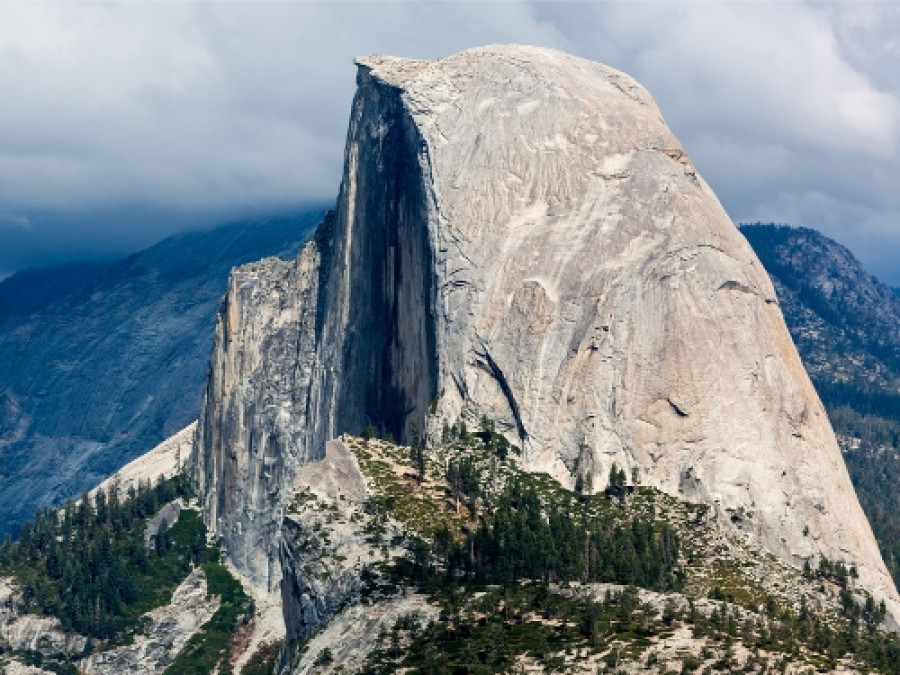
pixel 162 521
pixel 163 461
pixel 350 636
pixel 29 632
pixel 40 634
pixel 166 632
pixel 329 544
pixel 520 236
pixel 334 540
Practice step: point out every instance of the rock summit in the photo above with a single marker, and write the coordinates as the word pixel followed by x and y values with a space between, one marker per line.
pixel 519 236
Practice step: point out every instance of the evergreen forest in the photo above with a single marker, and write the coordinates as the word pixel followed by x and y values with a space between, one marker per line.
pixel 91 565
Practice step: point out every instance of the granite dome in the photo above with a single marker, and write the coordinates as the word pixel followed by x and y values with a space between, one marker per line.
pixel 520 236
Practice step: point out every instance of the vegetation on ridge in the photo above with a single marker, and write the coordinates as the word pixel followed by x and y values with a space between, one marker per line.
pixel 502 554
pixel 480 518
pixel 90 567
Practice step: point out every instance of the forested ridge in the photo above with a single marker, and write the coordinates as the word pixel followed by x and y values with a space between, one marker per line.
pixel 512 559
pixel 92 566
pixel 88 565
pixel 521 537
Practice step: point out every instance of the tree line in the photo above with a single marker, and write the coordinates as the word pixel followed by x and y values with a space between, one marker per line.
pixel 522 538
pixel 89 566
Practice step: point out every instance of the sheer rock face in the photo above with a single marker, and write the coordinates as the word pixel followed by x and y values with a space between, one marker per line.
pixel 519 235
pixel 252 430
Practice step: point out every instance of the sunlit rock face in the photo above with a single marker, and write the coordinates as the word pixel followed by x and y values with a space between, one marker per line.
pixel 520 236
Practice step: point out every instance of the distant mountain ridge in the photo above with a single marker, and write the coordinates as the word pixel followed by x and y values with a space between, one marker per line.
pixel 100 361
pixel 33 288
pixel 845 322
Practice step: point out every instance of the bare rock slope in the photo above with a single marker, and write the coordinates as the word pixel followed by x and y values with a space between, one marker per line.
pixel 519 235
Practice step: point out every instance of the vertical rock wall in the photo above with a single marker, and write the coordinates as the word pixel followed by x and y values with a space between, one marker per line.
pixel 340 339
pixel 252 431
pixel 378 330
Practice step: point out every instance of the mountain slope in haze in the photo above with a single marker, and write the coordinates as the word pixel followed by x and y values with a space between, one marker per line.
pixel 846 325
pixel 845 322
pixel 99 362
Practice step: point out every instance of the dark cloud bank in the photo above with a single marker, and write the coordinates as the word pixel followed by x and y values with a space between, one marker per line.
pixel 124 123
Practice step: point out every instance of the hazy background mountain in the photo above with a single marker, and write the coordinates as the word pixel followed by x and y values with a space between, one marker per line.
pixel 101 361
pixel 846 325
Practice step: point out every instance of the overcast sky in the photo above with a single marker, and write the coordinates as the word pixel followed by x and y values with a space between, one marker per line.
pixel 123 122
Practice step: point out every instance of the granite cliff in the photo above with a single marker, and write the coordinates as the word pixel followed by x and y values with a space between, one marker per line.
pixel 519 236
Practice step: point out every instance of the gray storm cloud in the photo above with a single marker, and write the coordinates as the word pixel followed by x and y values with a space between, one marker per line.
pixel 123 122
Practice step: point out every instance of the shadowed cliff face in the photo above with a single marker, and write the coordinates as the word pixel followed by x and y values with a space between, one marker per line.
pixel 337 340
pixel 378 327
pixel 519 235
